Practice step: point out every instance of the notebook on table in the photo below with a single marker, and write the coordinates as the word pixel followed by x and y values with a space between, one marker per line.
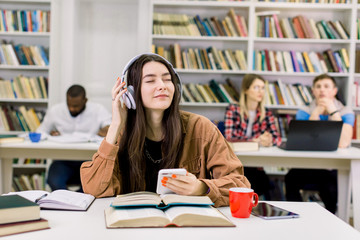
pixel 313 135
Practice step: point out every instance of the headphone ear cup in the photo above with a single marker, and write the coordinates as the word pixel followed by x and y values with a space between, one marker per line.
pixel 180 89
pixel 130 97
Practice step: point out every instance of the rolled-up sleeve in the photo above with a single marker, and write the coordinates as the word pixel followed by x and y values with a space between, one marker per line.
pixel 100 177
pixel 227 171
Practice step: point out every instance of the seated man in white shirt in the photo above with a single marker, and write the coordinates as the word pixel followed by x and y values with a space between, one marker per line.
pixel 76 115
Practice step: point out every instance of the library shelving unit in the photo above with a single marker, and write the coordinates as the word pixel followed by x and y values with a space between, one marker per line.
pixel 27 38
pixel 347 13
pixel 8 71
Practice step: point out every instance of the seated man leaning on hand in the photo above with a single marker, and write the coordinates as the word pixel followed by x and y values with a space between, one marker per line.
pixel 325 107
pixel 76 115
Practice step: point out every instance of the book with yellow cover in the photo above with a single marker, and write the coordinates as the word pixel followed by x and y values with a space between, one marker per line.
pixel 147 209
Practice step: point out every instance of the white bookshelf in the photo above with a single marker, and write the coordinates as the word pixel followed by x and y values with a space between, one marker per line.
pixel 346 13
pixel 46 39
pixel 27 38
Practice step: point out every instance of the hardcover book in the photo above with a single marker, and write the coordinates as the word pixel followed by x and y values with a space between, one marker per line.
pixel 15 208
pixel 22 227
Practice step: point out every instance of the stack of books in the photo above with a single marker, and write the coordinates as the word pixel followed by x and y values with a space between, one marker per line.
pixel 19 215
pixel 148 209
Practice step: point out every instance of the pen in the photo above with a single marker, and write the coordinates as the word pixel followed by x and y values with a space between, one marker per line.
pixel 41 197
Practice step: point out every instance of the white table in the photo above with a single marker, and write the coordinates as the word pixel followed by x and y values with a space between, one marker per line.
pixel 42 149
pixel 314 222
pixel 342 159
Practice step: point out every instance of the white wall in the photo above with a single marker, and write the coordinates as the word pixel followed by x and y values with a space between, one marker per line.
pixel 97 38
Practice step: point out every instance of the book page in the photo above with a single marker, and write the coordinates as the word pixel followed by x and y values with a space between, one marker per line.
pixel 197 216
pixel 67 200
pixel 174 198
pixel 137 198
pixel 31 195
pixel 135 217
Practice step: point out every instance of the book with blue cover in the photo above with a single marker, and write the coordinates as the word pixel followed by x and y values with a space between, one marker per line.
pixel 151 199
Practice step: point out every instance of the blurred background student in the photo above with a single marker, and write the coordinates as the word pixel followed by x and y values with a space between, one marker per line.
pixel 325 107
pixel 250 120
pixel 76 115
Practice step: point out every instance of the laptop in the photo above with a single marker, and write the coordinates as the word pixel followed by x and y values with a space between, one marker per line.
pixel 313 135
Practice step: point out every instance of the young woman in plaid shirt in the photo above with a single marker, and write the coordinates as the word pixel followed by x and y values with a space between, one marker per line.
pixel 250 120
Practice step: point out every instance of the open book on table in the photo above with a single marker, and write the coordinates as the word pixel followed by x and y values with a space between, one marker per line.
pixel 146 209
pixel 59 199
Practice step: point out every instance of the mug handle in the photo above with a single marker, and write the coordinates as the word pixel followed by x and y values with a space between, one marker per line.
pixel 256 199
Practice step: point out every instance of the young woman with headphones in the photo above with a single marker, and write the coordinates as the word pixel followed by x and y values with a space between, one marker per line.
pixel 148 132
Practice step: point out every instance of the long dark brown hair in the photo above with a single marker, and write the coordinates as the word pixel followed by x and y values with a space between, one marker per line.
pixel 131 156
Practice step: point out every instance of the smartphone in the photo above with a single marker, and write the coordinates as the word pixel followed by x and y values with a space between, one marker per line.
pixel 268 211
pixel 160 189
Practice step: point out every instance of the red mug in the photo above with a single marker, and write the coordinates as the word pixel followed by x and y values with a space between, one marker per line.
pixel 242 200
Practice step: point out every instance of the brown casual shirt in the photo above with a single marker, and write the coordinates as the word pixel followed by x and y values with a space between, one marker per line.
pixel 205 154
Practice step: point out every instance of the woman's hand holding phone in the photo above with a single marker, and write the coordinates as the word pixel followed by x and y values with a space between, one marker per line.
pixel 186 184
pixel 119 112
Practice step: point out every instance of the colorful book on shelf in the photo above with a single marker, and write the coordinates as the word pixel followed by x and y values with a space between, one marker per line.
pixel 328 31
pixel 218 92
pixel 14 208
pixel 203 93
pixel 298 28
pixel 307 62
pixel 314 29
pixel 59 199
pixel 170 210
pixel 242 24
pixel 343 28
pixel 23 227
pixel 279 95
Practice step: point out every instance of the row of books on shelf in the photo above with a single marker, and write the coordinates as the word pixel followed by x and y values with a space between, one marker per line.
pixel 296 61
pixel 298 27
pixel 279 93
pixel 276 93
pixel 20 119
pixel 24 20
pixel 22 87
pixel 203 58
pixel 232 25
pixel 24 182
pixel 20 54
pixel 213 92
pixel 29 161
pixel 282 124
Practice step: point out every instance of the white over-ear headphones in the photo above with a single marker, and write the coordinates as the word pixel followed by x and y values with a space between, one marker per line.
pixel 129 95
